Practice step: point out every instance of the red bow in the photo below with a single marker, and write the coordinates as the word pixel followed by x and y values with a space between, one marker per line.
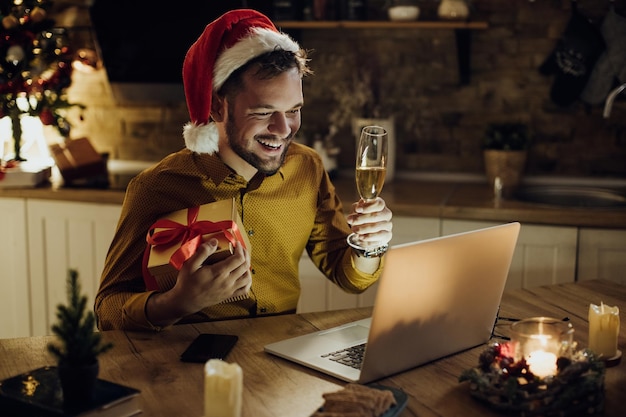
pixel 3 168
pixel 189 237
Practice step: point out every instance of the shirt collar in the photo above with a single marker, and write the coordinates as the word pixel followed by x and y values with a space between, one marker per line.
pixel 217 171
pixel 212 166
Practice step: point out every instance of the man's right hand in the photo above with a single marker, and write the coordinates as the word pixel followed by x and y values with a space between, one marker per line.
pixel 199 286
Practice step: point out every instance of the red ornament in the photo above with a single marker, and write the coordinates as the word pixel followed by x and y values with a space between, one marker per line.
pixel 46 117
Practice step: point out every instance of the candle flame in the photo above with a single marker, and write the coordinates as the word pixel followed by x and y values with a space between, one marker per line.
pixel 542 363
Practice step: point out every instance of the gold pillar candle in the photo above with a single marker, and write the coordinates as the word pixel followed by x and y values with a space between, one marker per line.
pixel 603 329
pixel 223 389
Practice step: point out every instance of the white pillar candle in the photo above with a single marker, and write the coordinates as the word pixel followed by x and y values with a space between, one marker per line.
pixel 603 329
pixel 223 389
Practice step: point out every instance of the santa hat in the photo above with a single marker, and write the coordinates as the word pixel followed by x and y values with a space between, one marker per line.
pixel 226 44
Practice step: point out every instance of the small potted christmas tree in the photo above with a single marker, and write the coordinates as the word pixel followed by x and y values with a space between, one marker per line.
pixel 78 345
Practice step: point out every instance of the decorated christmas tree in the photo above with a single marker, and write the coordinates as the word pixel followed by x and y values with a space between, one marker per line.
pixel 35 67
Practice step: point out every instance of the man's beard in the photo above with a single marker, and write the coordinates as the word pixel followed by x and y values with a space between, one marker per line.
pixel 252 158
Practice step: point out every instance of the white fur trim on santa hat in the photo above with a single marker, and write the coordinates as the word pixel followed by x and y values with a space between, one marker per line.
pixel 260 41
pixel 201 138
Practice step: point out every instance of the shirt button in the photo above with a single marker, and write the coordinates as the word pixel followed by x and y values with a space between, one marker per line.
pixel 252 271
pixel 250 232
pixel 263 310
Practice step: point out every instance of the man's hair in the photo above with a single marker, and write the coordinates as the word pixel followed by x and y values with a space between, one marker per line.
pixel 267 66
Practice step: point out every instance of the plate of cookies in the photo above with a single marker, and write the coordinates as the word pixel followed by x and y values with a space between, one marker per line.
pixel 356 400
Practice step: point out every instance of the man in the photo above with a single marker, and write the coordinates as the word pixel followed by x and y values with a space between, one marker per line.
pixel 243 85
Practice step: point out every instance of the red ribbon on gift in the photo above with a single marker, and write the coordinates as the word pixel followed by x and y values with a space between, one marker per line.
pixel 3 168
pixel 188 236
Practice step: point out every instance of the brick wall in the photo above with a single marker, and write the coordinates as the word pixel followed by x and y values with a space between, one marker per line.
pixel 439 123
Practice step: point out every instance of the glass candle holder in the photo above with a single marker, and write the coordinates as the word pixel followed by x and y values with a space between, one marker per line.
pixel 541 341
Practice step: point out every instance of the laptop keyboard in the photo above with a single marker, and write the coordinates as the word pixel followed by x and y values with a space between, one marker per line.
pixel 352 356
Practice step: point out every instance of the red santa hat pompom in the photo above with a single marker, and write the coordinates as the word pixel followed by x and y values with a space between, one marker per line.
pixel 226 44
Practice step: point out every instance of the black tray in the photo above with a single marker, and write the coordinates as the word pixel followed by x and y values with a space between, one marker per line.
pixel 398 394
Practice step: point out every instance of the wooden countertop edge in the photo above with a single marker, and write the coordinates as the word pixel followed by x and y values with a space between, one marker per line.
pixel 557 217
pixel 82 195
pixel 404 198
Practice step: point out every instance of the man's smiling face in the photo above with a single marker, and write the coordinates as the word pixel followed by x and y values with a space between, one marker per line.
pixel 262 121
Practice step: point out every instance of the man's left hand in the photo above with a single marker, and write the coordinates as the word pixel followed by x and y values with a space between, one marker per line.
pixel 371 221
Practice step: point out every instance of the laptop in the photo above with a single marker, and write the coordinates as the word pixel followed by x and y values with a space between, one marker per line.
pixel 435 297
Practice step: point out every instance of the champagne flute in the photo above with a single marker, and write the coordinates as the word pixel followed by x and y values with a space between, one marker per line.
pixel 371 168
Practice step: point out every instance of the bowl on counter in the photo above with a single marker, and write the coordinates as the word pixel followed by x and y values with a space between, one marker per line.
pixel 403 13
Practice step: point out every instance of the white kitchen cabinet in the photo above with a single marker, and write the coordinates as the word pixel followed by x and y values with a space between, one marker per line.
pixel 319 294
pixel 42 239
pixel 64 235
pixel 15 318
pixel 602 254
pixel 543 255
pixel 410 229
pixel 312 287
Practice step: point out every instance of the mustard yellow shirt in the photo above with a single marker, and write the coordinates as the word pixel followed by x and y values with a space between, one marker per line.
pixel 294 210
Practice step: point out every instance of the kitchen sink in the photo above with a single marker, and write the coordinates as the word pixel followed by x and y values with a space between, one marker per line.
pixel 572 196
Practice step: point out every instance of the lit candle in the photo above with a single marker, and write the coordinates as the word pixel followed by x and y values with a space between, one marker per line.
pixel 540 341
pixel 223 387
pixel 603 329
pixel 541 363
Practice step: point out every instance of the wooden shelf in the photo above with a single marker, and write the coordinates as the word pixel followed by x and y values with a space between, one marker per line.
pixel 462 31
pixel 381 24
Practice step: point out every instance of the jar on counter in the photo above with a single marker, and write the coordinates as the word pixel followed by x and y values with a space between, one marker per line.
pixel 453 10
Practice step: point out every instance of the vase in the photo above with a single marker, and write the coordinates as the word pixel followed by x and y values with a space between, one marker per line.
pixel 508 166
pixel 388 124
pixel 78 383
pixel 453 10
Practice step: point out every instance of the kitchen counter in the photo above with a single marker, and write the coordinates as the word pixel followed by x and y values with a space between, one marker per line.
pixel 84 195
pixel 475 201
pixel 405 197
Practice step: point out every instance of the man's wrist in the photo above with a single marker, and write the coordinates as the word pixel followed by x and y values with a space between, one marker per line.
pixel 375 252
pixel 161 311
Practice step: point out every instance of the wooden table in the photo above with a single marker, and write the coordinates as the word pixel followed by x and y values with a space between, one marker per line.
pixel 277 388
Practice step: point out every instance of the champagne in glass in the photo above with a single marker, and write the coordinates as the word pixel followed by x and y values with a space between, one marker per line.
pixel 371 167
pixel 369 181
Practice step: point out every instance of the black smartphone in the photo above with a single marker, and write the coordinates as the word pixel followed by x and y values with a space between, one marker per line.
pixel 209 346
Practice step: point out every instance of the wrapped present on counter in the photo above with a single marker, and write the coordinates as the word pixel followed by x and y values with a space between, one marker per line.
pixel 80 164
pixel 16 174
pixel 174 238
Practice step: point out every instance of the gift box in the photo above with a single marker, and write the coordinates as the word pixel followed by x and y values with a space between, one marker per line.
pixel 23 174
pixel 174 238
pixel 79 163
